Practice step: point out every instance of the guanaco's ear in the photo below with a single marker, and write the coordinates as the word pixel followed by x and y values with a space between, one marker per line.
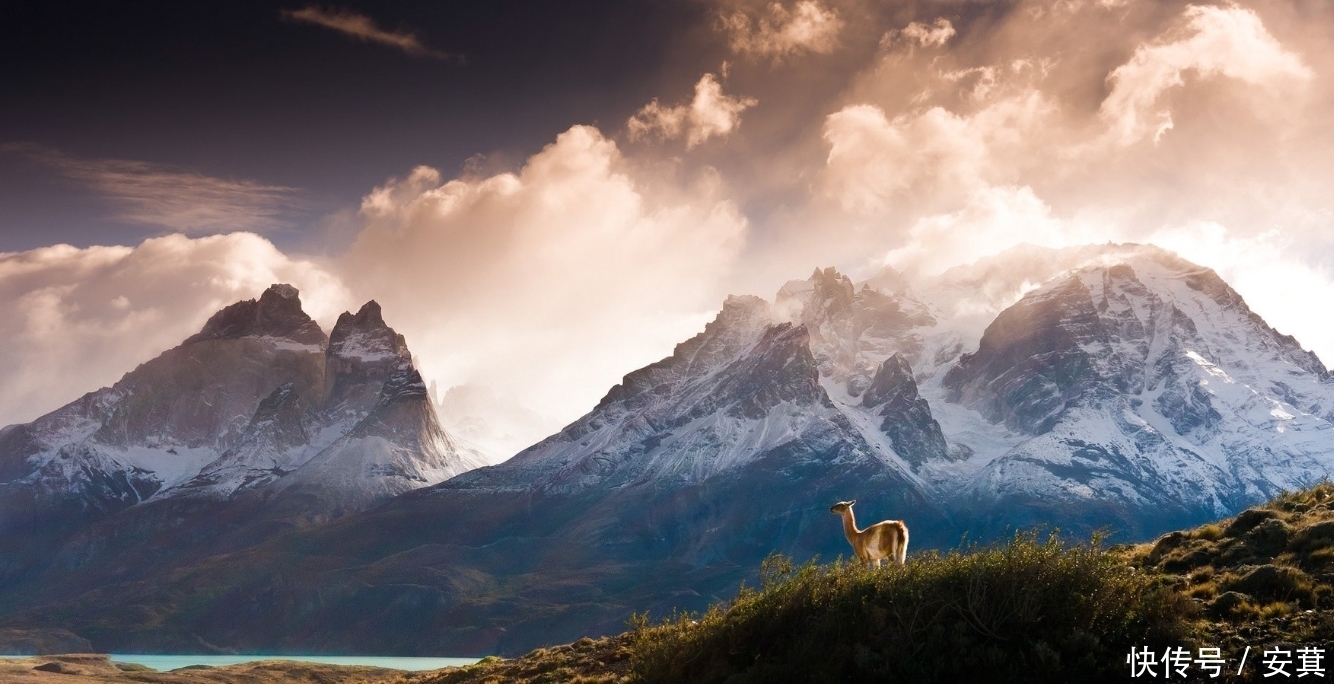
pixel 852 502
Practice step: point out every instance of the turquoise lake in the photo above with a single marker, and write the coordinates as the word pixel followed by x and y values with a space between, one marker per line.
pixel 164 663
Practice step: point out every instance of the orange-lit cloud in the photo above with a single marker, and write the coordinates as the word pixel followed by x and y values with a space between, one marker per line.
pixel 936 34
pixel 1226 42
pixel 546 285
pixel 778 31
pixel 711 113
pixel 363 28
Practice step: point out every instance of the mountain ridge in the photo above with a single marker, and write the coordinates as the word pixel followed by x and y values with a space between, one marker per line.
pixel 1129 388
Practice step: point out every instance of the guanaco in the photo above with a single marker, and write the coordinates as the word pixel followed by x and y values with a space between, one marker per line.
pixel 887 539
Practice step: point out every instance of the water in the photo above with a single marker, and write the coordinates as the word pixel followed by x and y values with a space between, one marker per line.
pixel 164 663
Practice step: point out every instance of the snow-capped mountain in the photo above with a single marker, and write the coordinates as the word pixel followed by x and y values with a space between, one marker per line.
pixel 1147 394
pixel 259 400
pixel 1125 387
pixel 742 398
pixel 1112 385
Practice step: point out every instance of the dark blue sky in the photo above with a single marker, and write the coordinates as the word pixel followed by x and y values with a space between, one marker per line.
pixel 234 90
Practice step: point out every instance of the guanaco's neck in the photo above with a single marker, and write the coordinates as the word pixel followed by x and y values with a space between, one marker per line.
pixel 850 524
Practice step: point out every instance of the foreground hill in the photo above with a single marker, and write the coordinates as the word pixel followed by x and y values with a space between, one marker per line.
pixel 1027 610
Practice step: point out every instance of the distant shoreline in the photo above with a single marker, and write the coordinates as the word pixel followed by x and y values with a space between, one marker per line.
pixel 167 663
pixel 100 668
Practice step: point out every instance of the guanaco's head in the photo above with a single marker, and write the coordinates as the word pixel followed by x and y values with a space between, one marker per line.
pixel 842 506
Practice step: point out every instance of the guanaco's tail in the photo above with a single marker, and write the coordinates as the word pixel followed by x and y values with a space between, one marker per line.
pixel 903 548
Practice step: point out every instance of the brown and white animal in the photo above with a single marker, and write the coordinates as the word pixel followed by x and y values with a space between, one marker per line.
pixel 887 539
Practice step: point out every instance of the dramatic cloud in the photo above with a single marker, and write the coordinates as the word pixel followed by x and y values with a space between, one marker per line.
pixel 74 319
pixel 1026 132
pixel 155 195
pixel 926 36
pixel 875 163
pixel 779 32
pixel 994 219
pixel 361 27
pixel 1215 41
pixel 930 135
pixel 545 286
pixel 710 114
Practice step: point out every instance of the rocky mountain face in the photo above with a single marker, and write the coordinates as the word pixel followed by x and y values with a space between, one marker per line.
pixel 1124 387
pixel 1114 385
pixel 1146 394
pixel 260 401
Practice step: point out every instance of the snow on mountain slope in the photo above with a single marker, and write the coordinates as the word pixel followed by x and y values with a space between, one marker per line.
pixel 168 418
pixel 1114 383
pixel 398 446
pixel 730 394
pixel 258 393
pixel 1144 384
pixel 867 343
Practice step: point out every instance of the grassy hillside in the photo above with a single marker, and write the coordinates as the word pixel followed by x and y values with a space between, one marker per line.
pixel 1032 609
pixel 1027 609
pixel 1263 577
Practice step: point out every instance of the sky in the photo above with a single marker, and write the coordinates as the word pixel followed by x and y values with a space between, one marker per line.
pixel 545 196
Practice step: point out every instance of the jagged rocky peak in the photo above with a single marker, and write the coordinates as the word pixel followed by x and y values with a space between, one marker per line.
pixel 914 433
pixel 852 330
pixel 277 313
pixel 1131 320
pixel 827 292
pixel 1030 365
pixel 364 353
pixel 780 369
pixel 736 328
pixel 740 323
pixel 365 337
pixel 741 318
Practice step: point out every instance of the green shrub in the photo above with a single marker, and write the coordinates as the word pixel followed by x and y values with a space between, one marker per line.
pixel 1027 610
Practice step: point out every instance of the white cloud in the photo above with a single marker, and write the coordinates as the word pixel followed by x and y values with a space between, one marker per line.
pixel 76 319
pixel 545 286
pixel 363 28
pixel 993 219
pixel 875 162
pixel 872 158
pixel 1227 41
pixel 781 32
pixel 711 113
